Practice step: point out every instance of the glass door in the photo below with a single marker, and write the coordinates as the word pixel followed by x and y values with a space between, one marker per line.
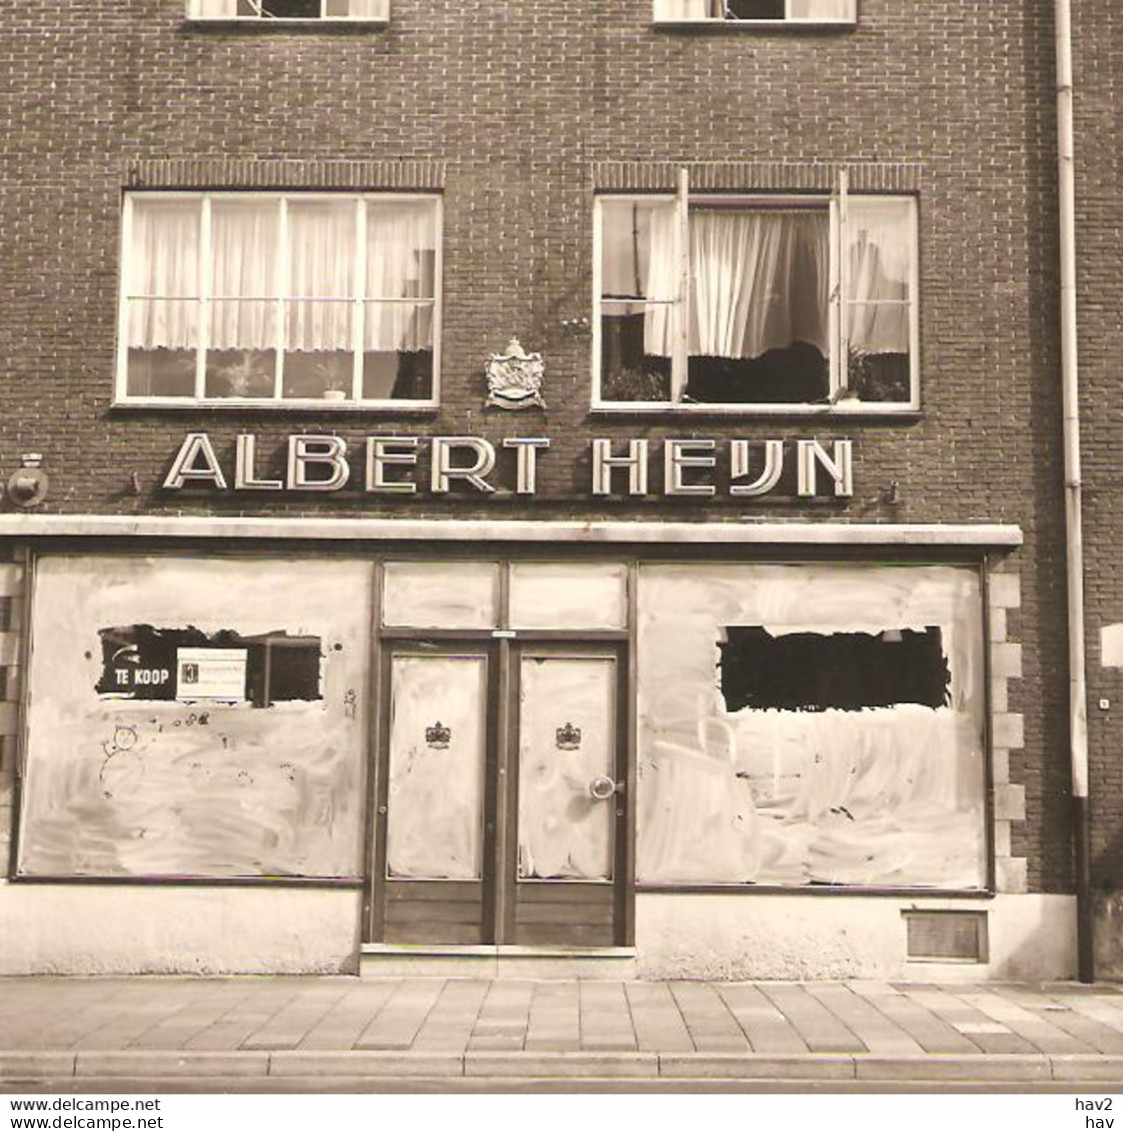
pixel 437 793
pixel 570 799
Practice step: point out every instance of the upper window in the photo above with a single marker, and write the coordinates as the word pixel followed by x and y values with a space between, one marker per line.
pixel 300 298
pixel 778 11
pixel 762 303
pixel 373 10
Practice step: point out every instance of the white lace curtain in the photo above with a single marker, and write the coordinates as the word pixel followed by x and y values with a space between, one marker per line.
pixel 316 279
pixel 164 264
pixel 760 279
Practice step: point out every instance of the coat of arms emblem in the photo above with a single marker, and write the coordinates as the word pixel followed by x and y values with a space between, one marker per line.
pixel 514 378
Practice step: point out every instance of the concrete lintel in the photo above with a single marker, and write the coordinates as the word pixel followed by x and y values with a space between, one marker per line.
pixel 983 535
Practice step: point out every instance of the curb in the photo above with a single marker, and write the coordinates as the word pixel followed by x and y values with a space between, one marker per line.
pixel 559 1065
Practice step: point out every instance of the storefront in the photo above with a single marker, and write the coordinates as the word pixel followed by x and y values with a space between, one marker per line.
pixel 692 749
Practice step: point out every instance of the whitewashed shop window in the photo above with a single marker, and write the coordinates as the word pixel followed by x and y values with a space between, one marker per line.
pixel 371 11
pixel 302 299
pixel 757 11
pixel 752 302
pixel 811 724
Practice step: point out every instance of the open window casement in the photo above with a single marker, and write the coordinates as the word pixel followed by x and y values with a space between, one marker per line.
pixel 376 11
pixel 749 11
pixel 781 303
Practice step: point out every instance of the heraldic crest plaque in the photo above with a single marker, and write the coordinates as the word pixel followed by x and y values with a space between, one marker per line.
pixel 514 378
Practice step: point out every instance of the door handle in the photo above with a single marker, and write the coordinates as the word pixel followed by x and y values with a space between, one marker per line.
pixel 603 787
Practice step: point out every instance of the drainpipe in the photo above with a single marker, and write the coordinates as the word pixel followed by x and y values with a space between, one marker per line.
pixel 1078 690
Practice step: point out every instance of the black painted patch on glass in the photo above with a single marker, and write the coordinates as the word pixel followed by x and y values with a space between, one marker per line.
pixel 754 9
pixel 140 661
pixel 842 671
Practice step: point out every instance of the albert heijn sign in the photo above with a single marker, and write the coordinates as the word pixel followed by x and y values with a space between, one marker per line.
pixel 397 465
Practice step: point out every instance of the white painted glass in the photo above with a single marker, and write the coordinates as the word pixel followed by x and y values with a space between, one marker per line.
pixel 438 735
pixel 440 594
pixel 889 796
pixel 569 595
pixel 120 785
pixel 567 740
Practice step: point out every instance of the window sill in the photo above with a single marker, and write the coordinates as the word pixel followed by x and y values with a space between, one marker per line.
pixel 909 413
pixel 380 408
pixel 257 24
pixel 754 25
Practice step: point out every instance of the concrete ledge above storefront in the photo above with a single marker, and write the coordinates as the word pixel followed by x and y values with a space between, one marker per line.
pixel 981 535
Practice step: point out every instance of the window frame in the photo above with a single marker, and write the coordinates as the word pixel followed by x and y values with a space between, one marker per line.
pixel 359 301
pixel 838 404
pixel 194 15
pixel 747 23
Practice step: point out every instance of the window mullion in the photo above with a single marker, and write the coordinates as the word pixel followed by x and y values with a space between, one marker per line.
pixel 359 307
pixel 681 358
pixel 283 288
pixel 205 275
pixel 843 342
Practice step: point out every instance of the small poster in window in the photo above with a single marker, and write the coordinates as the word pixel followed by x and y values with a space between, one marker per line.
pixel 211 673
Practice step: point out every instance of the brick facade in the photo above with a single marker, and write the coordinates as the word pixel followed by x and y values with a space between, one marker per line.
pixel 518 113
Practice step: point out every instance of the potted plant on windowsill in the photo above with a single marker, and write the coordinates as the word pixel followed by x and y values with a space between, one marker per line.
pixel 334 377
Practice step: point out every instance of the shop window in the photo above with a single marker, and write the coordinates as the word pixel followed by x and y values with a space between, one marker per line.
pixel 754 302
pixel 844 671
pixel 195 717
pixel 309 299
pixel 369 10
pixel 811 724
pixel 773 11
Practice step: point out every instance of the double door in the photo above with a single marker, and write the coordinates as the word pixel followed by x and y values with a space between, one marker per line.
pixel 502 809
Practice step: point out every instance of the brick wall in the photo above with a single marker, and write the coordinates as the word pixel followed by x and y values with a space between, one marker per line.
pixel 523 106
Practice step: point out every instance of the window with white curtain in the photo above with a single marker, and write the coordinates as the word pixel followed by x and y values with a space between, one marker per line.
pixel 785 11
pixel 769 303
pixel 371 10
pixel 313 298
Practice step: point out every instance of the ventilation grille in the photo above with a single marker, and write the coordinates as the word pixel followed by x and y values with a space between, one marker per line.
pixel 947 936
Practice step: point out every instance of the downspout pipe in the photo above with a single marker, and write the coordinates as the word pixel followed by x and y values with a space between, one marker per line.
pixel 1077 674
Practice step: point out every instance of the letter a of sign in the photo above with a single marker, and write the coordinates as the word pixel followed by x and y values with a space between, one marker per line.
pixel 196 447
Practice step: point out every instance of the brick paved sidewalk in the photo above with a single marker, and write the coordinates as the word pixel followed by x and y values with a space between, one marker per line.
pixel 418 1026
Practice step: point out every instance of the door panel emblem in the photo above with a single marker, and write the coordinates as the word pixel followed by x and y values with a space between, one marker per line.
pixel 568 737
pixel 438 736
